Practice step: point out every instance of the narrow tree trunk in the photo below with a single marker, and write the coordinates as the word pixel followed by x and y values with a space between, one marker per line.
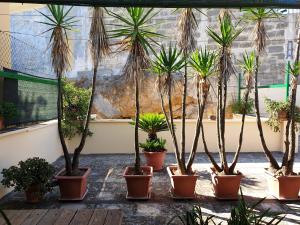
pixel 273 163
pixel 137 165
pixel 236 156
pixel 78 150
pixel 181 166
pixel 68 163
pixel 183 113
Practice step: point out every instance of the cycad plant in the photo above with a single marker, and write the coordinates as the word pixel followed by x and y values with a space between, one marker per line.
pixel 259 16
pixel 228 33
pixel 60 23
pixel 137 38
pixel 152 123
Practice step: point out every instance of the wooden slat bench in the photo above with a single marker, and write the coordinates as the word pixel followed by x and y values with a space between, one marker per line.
pixel 63 217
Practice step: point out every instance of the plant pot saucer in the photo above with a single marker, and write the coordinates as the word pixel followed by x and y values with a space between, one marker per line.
pixel 225 199
pixel 73 199
pixel 139 198
pixel 283 199
pixel 175 197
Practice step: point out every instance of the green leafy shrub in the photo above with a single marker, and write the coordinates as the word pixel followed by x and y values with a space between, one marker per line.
pixel 75 107
pixel 8 110
pixel 152 123
pixel 277 110
pixel 242 214
pixel 157 145
pixel 238 107
pixel 33 171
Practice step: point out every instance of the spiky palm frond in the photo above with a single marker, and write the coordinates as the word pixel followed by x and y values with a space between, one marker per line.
pixel 137 38
pixel 152 123
pixel 259 15
pixel 169 60
pixel 203 62
pixel 187 25
pixel 99 45
pixel 59 23
pixel 294 69
pixel 248 66
pixel 228 32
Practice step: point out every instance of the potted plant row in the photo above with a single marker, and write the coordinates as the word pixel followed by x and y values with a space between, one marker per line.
pixel 283 182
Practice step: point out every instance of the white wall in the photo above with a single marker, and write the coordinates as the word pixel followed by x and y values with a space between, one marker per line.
pixel 36 141
pixel 117 136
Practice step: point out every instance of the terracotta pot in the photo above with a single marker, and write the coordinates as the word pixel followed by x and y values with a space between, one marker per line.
pixel 73 188
pixel 226 186
pixel 183 186
pixel 283 187
pixel 138 186
pixel 33 194
pixel 155 159
pixel 1 123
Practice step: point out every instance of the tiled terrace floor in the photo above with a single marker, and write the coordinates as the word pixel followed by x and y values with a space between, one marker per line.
pixel 107 189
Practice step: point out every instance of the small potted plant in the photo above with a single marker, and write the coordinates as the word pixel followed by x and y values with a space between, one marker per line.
pixel 238 107
pixel 154 147
pixel 8 112
pixel 31 176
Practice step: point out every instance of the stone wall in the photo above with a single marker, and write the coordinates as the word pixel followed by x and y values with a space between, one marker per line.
pixel 115 97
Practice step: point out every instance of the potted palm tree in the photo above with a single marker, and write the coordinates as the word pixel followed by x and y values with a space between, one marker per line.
pixel 283 182
pixel 73 179
pixel 167 63
pixel 225 179
pixel 137 38
pixel 154 147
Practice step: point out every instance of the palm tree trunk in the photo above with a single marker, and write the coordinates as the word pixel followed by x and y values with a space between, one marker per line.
pixel 137 165
pixel 273 163
pixel 78 150
pixel 236 156
pixel 183 112
pixel 181 166
pixel 68 163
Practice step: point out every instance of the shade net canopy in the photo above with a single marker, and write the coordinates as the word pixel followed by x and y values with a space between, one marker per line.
pixel 172 3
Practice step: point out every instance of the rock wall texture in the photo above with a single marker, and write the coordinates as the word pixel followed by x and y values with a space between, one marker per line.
pixel 115 96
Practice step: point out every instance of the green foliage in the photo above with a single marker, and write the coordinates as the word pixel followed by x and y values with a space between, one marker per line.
pixel 156 145
pixel 256 14
pixel 33 171
pixel 152 123
pixel 244 214
pixel 59 18
pixel 135 28
pixel 194 217
pixel 75 107
pixel 239 107
pixel 248 65
pixel 294 69
pixel 228 32
pixel 275 109
pixel 168 61
pixel 203 61
pixel 8 110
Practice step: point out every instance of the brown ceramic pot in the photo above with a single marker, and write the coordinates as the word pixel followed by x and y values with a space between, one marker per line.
pixel 226 186
pixel 183 186
pixel 33 194
pixel 282 115
pixel 1 123
pixel 73 188
pixel 138 186
pixel 155 159
pixel 283 187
